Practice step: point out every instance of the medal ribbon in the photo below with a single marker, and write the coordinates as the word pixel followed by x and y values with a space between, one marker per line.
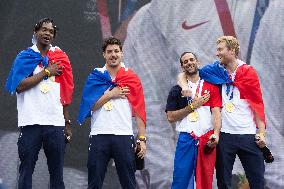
pixel 228 89
pixel 189 99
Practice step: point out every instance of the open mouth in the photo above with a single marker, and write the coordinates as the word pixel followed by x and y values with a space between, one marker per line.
pixel 46 39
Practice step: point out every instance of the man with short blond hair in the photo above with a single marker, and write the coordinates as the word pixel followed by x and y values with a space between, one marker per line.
pixel 242 117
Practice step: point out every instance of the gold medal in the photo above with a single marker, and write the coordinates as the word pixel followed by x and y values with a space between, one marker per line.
pixel 44 88
pixel 193 116
pixel 230 107
pixel 108 106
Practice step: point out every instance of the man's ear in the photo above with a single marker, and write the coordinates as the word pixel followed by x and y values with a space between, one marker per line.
pixel 232 52
pixel 198 64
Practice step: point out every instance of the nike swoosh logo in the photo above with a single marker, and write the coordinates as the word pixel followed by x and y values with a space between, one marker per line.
pixel 187 27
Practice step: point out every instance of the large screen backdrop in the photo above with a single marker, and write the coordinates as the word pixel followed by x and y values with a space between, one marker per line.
pixel 155 34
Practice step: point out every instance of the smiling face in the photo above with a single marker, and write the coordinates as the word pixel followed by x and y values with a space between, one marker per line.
pixel 45 34
pixel 227 49
pixel 113 55
pixel 223 53
pixel 189 64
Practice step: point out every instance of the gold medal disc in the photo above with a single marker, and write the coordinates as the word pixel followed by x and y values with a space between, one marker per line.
pixel 193 117
pixel 108 106
pixel 44 88
pixel 230 107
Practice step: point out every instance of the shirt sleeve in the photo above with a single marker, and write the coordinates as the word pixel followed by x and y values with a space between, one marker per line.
pixel 173 99
pixel 215 97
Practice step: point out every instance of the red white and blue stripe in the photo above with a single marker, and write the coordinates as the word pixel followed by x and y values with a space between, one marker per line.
pixel 98 82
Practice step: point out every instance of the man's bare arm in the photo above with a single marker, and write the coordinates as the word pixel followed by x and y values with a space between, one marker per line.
pixel 178 115
pixel 141 133
pixel 30 82
pixel 260 136
pixel 216 120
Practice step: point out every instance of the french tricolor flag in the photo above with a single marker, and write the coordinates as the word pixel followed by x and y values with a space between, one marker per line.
pixel 26 62
pixel 246 81
pixel 98 82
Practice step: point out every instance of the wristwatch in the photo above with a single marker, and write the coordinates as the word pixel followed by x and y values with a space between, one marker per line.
pixel 68 122
pixel 142 138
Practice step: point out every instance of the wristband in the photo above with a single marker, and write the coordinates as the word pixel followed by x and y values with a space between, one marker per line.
pixel 191 106
pixel 47 72
pixel 68 121
pixel 262 134
pixel 141 138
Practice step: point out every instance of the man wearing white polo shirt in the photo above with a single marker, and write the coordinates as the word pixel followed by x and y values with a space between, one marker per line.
pixel 42 77
pixel 112 95
pixel 199 122
pixel 242 114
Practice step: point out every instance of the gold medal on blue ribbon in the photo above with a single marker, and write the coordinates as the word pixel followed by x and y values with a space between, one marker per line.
pixel 108 106
pixel 193 116
pixel 44 87
pixel 230 107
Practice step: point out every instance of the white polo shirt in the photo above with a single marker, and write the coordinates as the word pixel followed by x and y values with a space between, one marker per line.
pixel 240 121
pixel 204 122
pixel 36 107
pixel 117 121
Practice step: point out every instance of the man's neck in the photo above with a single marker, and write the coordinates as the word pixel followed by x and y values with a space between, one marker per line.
pixel 113 70
pixel 193 77
pixel 43 49
pixel 232 66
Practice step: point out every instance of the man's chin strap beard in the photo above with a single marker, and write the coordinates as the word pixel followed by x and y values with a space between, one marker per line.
pixel 191 74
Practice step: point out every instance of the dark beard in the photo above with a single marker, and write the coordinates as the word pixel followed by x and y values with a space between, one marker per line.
pixel 192 73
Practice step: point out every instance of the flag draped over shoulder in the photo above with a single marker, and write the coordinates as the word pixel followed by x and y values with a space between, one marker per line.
pixel 23 66
pixel 246 81
pixel 215 73
pixel 136 97
pixel 248 84
pixel 66 78
pixel 98 82
pixel 26 62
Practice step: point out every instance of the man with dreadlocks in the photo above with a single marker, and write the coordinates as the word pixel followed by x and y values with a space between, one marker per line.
pixel 42 78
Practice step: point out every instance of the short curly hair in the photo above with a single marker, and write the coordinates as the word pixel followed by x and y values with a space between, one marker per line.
pixel 111 41
pixel 39 24
pixel 231 43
